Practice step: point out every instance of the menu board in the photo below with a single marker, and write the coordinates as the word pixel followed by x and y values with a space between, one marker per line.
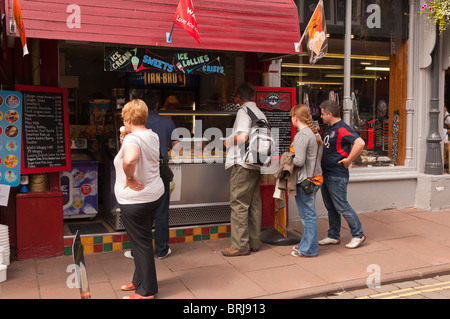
pixel 276 104
pixel 45 133
pixel 10 137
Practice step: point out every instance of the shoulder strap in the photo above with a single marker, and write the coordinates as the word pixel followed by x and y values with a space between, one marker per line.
pixel 251 114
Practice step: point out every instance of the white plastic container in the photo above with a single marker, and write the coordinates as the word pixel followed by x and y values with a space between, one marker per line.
pixel 2 255
pixel 3 273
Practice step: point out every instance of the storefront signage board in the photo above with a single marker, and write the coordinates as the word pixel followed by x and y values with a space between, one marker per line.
pixel 163 61
pixel 10 137
pixel 45 134
pixel 276 104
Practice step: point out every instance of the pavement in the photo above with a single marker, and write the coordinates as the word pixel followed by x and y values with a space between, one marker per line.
pixel 402 244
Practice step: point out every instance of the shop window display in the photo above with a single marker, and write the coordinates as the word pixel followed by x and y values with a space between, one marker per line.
pixel 378 75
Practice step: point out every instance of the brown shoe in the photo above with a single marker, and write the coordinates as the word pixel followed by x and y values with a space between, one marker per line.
pixel 230 252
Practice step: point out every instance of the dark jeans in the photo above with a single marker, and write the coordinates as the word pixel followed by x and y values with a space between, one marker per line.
pixel 138 221
pixel 162 224
pixel 334 195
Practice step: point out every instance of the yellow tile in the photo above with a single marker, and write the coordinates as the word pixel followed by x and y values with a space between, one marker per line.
pixel 222 229
pixel 117 246
pixel 189 239
pixel 213 236
pixel 107 239
pixel 172 233
pixel 197 231
pixel 87 240
pixel 88 249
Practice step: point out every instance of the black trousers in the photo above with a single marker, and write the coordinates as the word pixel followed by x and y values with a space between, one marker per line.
pixel 138 222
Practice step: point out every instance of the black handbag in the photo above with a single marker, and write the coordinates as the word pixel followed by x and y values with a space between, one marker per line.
pixel 164 171
pixel 307 186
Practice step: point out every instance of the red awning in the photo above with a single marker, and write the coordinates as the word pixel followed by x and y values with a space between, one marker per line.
pixel 268 26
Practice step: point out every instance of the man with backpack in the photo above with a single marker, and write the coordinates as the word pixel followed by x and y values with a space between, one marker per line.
pixel 245 197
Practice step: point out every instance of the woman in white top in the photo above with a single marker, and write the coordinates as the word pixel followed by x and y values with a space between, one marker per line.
pixel 138 191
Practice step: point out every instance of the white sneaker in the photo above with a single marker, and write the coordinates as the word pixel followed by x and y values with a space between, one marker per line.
pixel 168 253
pixel 329 241
pixel 128 254
pixel 355 242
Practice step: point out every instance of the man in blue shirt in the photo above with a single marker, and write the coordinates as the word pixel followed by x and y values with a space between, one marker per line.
pixel 341 147
pixel 166 130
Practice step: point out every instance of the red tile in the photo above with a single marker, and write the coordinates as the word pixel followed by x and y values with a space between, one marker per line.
pixel 205 231
pixel 222 235
pixel 98 248
pixel 125 238
pixel 180 240
pixel 117 238
pixel 189 232
pixel 172 240
pixel 68 241
pixel 228 228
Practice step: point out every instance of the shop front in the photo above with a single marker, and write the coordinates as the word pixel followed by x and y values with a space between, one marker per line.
pixel 379 67
pixel 103 63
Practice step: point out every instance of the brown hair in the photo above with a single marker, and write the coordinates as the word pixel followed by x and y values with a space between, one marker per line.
pixel 302 112
pixel 330 106
pixel 136 111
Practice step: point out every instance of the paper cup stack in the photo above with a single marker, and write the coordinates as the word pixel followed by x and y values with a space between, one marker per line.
pixel 4 251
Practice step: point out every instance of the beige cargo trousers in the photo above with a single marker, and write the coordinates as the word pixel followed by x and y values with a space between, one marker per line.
pixel 245 203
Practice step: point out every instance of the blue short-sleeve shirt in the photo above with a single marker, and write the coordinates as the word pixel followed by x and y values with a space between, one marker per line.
pixel 338 141
pixel 164 127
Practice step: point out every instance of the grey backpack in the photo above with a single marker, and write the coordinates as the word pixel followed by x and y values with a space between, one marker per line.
pixel 260 145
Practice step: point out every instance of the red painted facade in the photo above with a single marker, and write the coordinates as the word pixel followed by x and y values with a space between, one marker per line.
pixel 269 26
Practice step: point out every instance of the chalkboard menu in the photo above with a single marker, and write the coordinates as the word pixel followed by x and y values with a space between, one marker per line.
pixel 45 130
pixel 276 104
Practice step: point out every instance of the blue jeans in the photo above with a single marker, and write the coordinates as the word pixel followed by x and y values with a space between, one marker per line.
pixel 306 205
pixel 334 195
pixel 162 224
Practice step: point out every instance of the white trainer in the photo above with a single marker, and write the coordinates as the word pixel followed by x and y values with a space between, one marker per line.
pixel 355 242
pixel 128 254
pixel 168 253
pixel 329 241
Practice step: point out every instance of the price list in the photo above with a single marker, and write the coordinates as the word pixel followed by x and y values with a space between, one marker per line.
pixel 45 145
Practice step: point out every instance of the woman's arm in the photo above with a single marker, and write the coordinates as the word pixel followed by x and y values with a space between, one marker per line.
pixel 131 155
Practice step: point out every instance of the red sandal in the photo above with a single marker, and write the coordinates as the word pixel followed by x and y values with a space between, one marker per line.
pixel 128 287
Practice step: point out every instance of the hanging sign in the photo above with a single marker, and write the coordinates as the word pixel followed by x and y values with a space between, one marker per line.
pixel 162 61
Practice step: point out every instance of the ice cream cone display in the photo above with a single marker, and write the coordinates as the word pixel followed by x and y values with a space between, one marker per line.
pixel 123 131
pixel 135 62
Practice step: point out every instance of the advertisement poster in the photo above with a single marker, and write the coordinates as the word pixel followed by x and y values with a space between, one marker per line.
pixel 10 137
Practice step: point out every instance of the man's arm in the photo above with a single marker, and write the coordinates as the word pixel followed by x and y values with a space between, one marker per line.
pixel 238 139
pixel 357 147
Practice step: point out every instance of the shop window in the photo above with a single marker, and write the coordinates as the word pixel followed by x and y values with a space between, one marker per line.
pixel 378 75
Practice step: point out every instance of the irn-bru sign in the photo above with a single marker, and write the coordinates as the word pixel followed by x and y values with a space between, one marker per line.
pixel 150 60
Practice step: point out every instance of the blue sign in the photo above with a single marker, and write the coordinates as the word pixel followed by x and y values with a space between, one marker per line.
pixel 10 137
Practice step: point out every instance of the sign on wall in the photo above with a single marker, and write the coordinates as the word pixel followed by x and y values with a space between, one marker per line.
pixel 45 143
pixel 276 104
pixel 10 137
pixel 163 61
